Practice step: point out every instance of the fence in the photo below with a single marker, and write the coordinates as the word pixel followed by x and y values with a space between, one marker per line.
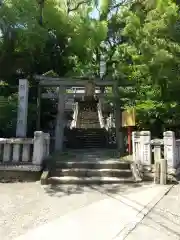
pixel 147 151
pixel 24 150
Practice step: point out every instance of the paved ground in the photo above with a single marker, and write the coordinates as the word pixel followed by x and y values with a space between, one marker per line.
pixel 107 219
pixel 26 206
pixel 163 222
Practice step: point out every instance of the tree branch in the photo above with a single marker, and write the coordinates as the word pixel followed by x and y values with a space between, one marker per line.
pixel 116 6
pixel 77 6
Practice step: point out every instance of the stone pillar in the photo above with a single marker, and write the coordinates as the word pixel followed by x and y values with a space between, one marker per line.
pixel 157 172
pixel 136 146
pixel 47 144
pixel 59 132
pixel 118 120
pixel 163 172
pixel 38 148
pixel 21 127
pixel 157 150
pixel 170 149
pixel 145 146
pixel 38 122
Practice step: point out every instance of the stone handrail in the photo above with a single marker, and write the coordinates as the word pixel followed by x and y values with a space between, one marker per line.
pixel 75 116
pixel 15 150
pixel 100 115
pixel 25 150
pixel 16 140
pixel 157 142
pixel 167 148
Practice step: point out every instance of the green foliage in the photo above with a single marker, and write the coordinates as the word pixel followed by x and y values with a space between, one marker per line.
pixel 152 50
pixel 139 40
pixel 8 116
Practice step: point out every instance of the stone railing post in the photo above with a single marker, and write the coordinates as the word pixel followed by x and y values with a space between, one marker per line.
pixel 100 115
pixel 46 144
pixel 157 143
pixel 38 148
pixel 75 115
pixel 136 146
pixel 170 149
pixel 177 152
pixel 163 172
pixel 145 146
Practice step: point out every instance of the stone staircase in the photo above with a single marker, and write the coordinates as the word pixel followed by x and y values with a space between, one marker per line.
pixel 88 133
pixel 88 168
pixel 88 119
pixel 87 138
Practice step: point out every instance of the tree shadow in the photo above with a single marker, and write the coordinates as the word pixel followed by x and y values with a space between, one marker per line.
pixel 84 154
pixel 155 215
pixel 14 180
pixel 61 190
pixel 19 176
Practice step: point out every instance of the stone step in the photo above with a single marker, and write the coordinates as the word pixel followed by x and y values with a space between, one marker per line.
pixel 90 134
pixel 89 130
pixel 86 146
pixel 89 118
pixel 81 146
pixel 95 141
pixel 90 164
pixel 87 138
pixel 84 136
pixel 83 172
pixel 92 145
pixel 88 180
pixel 90 138
pixel 89 143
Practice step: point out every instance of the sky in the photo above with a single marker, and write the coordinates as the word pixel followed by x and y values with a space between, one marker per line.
pixel 95 13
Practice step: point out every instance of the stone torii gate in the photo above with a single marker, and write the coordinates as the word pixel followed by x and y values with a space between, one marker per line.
pixel 62 84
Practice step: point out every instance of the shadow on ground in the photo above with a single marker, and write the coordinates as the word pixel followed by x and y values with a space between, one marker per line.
pixel 4 181
pixel 158 219
pixel 66 189
pixel 19 176
pixel 91 154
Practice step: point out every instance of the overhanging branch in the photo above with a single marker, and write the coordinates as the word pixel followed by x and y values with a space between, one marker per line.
pixel 77 6
pixel 116 6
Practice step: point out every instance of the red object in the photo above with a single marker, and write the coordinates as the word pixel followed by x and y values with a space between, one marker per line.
pixel 129 129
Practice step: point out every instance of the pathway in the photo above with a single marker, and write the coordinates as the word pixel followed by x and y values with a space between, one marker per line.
pixel 163 222
pixel 112 217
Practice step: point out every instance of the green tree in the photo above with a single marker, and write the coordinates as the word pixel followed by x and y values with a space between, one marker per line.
pixel 152 50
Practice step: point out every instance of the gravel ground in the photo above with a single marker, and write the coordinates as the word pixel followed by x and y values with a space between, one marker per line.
pixel 27 205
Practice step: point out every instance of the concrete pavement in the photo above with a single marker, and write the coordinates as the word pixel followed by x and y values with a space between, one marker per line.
pixel 163 222
pixel 114 217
